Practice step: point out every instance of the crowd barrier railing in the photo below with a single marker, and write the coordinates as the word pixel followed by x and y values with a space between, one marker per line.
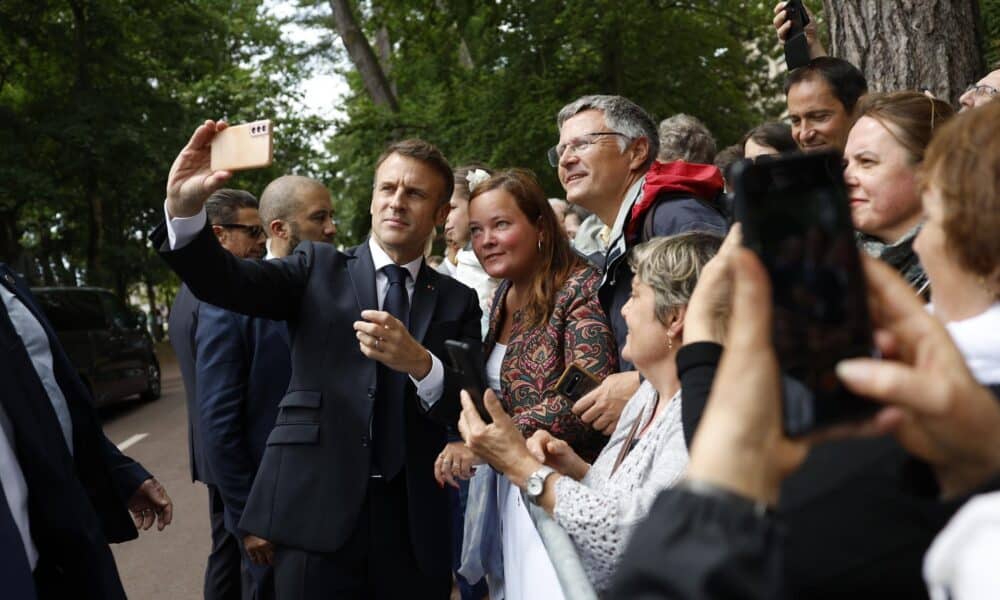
pixel 569 570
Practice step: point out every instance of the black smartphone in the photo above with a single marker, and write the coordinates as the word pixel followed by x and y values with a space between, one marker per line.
pixel 470 369
pixel 796 44
pixel 795 215
pixel 576 382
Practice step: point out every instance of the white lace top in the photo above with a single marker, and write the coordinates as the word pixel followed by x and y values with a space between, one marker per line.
pixel 600 511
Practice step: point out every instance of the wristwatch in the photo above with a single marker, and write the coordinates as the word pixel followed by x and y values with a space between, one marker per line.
pixel 535 484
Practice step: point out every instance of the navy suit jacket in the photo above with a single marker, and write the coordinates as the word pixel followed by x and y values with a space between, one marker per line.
pixel 182 324
pixel 76 504
pixel 313 479
pixel 244 365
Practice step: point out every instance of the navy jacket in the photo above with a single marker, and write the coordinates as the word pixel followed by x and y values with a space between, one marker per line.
pixel 76 503
pixel 182 324
pixel 313 479
pixel 243 369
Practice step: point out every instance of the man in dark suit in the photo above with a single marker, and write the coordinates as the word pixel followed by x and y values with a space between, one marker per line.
pixel 236 223
pixel 244 364
pixel 67 489
pixel 345 490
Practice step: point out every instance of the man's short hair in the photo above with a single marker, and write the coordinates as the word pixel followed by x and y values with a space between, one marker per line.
pixel 426 153
pixel 223 205
pixel 847 81
pixel 683 137
pixel 621 115
pixel 281 199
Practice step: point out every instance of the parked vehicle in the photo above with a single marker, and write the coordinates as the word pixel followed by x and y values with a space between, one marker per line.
pixel 106 340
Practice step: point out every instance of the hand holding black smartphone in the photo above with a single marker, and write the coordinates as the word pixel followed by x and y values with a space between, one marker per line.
pixel 796 44
pixel 470 369
pixel 576 382
pixel 795 215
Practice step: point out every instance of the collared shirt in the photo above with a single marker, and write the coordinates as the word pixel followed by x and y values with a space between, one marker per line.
pixel 182 230
pixel 617 245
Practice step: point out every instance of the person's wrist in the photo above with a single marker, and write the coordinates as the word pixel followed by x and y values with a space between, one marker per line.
pixel 521 469
pixel 743 468
pixel 422 367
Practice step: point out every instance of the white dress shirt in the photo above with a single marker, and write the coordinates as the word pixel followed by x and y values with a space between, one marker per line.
pixel 182 230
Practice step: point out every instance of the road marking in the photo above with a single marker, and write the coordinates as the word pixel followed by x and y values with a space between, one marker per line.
pixel 135 439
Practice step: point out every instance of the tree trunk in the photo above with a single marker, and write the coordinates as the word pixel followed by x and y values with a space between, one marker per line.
pixel 363 57
pixel 909 44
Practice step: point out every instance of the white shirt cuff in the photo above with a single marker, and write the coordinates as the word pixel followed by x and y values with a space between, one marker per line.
pixel 181 230
pixel 429 388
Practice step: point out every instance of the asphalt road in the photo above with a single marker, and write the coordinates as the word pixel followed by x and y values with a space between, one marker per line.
pixel 168 564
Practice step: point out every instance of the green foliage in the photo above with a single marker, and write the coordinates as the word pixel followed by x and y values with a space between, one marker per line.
pixel 702 58
pixel 97 97
pixel 990 10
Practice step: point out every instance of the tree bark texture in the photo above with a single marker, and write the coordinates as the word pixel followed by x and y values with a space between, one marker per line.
pixel 362 56
pixel 909 44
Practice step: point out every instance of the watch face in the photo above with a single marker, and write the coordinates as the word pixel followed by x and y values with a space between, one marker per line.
pixel 535 486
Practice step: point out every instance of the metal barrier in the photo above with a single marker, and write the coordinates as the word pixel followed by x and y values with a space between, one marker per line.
pixel 569 570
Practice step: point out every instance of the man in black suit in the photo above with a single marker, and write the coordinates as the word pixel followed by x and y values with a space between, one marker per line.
pixel 67 489
pixel 236 223
pixel 345 490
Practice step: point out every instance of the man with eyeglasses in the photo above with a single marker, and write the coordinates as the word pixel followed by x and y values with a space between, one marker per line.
pixel 236 224
pixel 985 90
pixel 606 146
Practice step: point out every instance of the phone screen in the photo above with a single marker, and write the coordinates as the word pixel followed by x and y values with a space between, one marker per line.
pixel 796 217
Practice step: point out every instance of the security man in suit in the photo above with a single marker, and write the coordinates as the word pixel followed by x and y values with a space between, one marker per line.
pixel 345 490
pixel 66 489
pixel 236 223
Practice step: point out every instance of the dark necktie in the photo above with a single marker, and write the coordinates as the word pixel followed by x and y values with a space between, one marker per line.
pixel 390 432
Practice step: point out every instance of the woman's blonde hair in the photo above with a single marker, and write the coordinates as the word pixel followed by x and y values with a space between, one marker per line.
pixel 671 266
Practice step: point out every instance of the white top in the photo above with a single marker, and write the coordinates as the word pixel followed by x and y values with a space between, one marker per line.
pixel 600 511
pixel 182 230
pixel 493 363
pixel 961 563
pixel 978 339
pixel 472 274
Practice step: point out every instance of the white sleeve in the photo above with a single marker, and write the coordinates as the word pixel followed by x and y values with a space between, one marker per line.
pixel 181 230
pixel 429 388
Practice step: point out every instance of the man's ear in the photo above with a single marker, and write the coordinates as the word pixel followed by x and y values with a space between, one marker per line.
pixel 639 153
pixel 220 233
pixel 278 229
pixel 442 214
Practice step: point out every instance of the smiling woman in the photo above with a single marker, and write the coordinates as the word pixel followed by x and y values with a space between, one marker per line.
pixel 884 149
pixel 545 316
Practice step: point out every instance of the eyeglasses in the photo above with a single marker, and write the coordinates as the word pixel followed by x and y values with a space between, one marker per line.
pixel 982 90
pixel 254 231
pixel 578 145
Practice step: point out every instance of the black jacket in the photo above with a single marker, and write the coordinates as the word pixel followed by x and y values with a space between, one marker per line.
pixel 313 478
pixel 76 503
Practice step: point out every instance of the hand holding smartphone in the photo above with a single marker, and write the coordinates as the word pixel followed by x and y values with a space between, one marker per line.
pixel 576 382
pixel 796 43
pixel 795 215
pixel 242 147
pixel 471 371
